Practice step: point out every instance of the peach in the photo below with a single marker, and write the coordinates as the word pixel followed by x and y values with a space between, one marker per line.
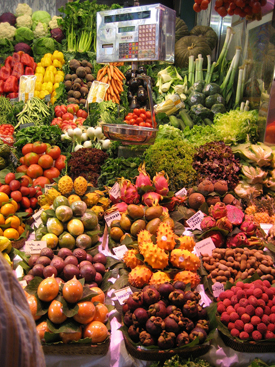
pixel 248 328
pixel 262 328
pixel 255 320
pixel 244 335
pixel 256 335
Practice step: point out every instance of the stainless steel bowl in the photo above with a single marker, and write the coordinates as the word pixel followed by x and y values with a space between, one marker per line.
pixel 130 135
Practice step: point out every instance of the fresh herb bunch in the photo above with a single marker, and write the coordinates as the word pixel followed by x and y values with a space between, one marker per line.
pixel 108 112
pixel 175 157
pixel 177 361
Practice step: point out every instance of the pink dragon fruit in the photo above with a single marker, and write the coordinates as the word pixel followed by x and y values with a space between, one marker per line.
pixel 208 223
pixel 216 237
pixel 128 192
pixel 238 240
pixel 151 198
pixel 224 223
pixel 175 200
pixel 248 227
pixel 218 210
pixel 234 214
pixel 143 179
pixel 121 207
pixel 161 183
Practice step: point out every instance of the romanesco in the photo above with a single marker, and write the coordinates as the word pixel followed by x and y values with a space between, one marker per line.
pixel 7 31
pixel 23 9
pixel 24 21
pixel 41 30
pixel 54 22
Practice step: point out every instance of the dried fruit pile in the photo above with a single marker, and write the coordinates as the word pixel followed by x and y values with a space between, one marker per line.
pixel 248 310
pixel 167 316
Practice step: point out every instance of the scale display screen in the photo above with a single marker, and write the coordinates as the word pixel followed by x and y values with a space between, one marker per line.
pixel 126 29
pixel 126 17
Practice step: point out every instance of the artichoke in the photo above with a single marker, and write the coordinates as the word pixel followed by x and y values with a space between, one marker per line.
pixel 3 163
pixel 4 150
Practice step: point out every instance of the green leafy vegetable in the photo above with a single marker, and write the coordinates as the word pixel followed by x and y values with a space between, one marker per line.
pixel 44 45
pixel 169 132
pixel 6 47
pixel 25 35
pixel 200 134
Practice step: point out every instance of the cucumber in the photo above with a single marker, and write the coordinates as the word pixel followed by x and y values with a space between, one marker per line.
pixel 185 118
pixel 174 121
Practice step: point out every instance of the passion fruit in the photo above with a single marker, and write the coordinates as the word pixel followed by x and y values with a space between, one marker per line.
pixel 48 289
pixel 137 226
pixel 116 234
pixel 72 290
pixel 75 227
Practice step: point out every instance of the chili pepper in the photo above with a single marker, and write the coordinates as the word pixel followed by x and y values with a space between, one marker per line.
pixel 28 71
pixel 2 86
pixel 4 73
pixel 11 84
pixel 15 59
pixel 8 61
pixel 27 60
pixel 18 70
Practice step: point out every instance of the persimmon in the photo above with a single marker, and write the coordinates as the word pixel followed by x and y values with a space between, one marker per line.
pixel 32 301
pixel 72 290
pixel 101 313
pixel 97 331
pixel 55 312
pixel 68 337
pixel 100 297
pixel 41 329
pixel 86 312
pixel 48 289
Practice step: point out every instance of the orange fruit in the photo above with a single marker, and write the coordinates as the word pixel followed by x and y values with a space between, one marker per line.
pixel 3 198
pixel 55 312
pixel 20 230
pixel 97 331
pixel 86 312
pixel 41 329
pixel 68 337
pixel 14 203
pixel 101 313
pixel 2 218
pixel 7 209
pixel 14 221
pixel 48 289
pixel 100 297
pixel 11 234
pixel 1 232
pixel 32 301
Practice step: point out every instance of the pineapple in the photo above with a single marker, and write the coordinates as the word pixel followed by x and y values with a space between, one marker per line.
pixel 80 185
pixel 65 185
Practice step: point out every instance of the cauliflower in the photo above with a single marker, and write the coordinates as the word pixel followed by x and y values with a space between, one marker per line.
pixel 41 30
pixel 23 9
pixel 7 31
pixel 54 22
pixel 24 21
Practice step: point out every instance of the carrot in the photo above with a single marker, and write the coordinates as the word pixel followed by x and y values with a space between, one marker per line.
pixel 116 100
pixel 105 79
pixel 119 87
pixel 109 74
pixel 115 77
pixel 112 70
pixel 119 73
pixel 111 89
pixel 114 86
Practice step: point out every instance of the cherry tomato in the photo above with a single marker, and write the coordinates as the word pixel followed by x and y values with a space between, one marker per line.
pixel 142 123
pixel 135 116
pixel 149 121
pixel 148 114
pixel 139 119
pixel 147 124
pixel 198 1
pixel 132 121
pixel 196 8
pixel 136 111
pixel 143 116
pixel 204 4
pixel 219 3
pixel 128 118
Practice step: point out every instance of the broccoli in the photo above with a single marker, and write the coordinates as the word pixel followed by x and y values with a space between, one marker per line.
pixel 7 31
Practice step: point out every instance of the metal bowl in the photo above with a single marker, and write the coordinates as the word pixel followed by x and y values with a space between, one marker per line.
pixel 130 135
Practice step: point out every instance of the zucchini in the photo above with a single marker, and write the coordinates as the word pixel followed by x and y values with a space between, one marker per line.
pixel 185 118
pixel 174 121
pixel 181 124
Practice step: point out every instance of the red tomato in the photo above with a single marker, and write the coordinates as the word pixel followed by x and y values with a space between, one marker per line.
pixel 22 160
pixel 79 121
pixel 142 124
pixel 33 202
pixel 45 161
pixel 72 108
pixel 16 196
pixel 136 111
pixel 132 121
pixel 60 163
pixel 54 151
pixel 196 7
pixel 30 211
pixel 27 149
pixel 22 168
pixel 9 177
pixel 25 191
pixel 135 116
pixel 39 147
pixel 204 4
pixel 138 120
pixel 31 158
pixel 142 110
pixel 68 116
pixel 38 193
pixel 60 110
pixel 57 121
pixel 143 116
pixel 51 173
pixel 256 8
pixel 24 182
pixel 32 191
pixel 82 113
pixel 149 121
pixel 148 114
pixel 14 185
pixel 34 171
pixel 25 202
pixel 41 181
pixel 6 189
pixel 147 124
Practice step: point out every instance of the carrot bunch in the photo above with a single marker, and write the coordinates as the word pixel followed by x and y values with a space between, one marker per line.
pixel 111 75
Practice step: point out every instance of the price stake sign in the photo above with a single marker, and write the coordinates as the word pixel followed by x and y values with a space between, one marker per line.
pixel 22 126
pixel 182 192
pixel 47 98
pixel 120 251
pixel 34 247
pixel 266 227
pixel 111 217
pixel 47 187
pixel 217 289
pixel 123 294
pixel 36 216
pixel 195 221
pixel 205 246
pixel 115 191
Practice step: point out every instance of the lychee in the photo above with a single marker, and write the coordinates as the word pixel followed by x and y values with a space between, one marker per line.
pixel 227 302
pixel 226 294
pixel 240 284
pixel 249 292
pixel 256 335
pixel 262 328
pixel 271 327
pixel 255 320
pixel 259 311
pixel 250 310
pixel 269 292
pixel 267 310
pixel 273 299
pixel 269 335
pixel 225 318
pixel 272 309
pixel 258 283
pixel 261 303
pixel 266 283
pixel 230 309
pixel 234 316
pixel 270 303
pixel 253 301
pixel 221 308
pixel 231 325
pixel 236 306
pixel 241 311
pixel 235 332
pixel 240 294
pixel 239 325
pixel 234 300
pixel 265 297
pixel 272 318
pixel 244 335
pixel 243 302
pixel 245 318
pixel 265 319
pixel 248 328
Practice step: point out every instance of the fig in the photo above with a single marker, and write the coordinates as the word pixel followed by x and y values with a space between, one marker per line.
pixel 37 270
pixel 165 289
pixel 70 270
pixel 151 296
pixel 134 331
pixel 182 339
pixel 98 278
pixel 179 285
pixel 190 309
pixel 155 325
pixel 71 260
pixel 140 316
pixel 88 272
pixel 198 332
pixel 80 254
pixel 64 252
pixel 135 300
pixel 100 268
pixel 100 258
pixel 171 324
pixel 47 252
pixel 177 297
pixel 146 339
pixel 44 260
pixel 128 318
pixel 166 340
pixel 58 263
pixel 49 270
pixel 32 260
pixel 157 309
pixel 28 278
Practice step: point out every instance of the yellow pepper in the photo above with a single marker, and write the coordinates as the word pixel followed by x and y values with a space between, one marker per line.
pixel 58 56
pixel 43 93
pixel 49 76
pixel 57 64
pixel 55 86
pixel 60 72
pixel 38 86
pixel 53 99
pixel 54 93
pixel 39 77
pixel 37 93
pixel 49 55
pixel 39 70
pixel 46 61
pixel 58 78
pixel 38 64
pixel 47 87
pixel 51 68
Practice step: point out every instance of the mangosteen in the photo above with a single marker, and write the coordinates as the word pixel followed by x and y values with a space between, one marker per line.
pixel 140 316
pixel 171 324
pixel 202 313
pixel 190 309
pixel 133 332
pixel 125 308
pixel 171 308
pixel 146 339
pixel 205 187
pixel 151 296
pixel 191 296
pixel 128 318
pixel 182 339
pixel 198 332
pixel 203 324
pixel 165 289
pixel 177 297
pixel 151 286
pixel 166 340
pixel 164 302
pixel 157 309
pixel 179 285
pixel 187 324
pixel 135 300
pixel 155 325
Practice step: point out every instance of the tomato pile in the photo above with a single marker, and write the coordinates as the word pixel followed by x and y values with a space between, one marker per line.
pixel 139 117
pixel 200 5
pixel 6 133
pixel 232 7
pixel 69 117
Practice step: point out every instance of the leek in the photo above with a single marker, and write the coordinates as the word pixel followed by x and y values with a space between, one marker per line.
pixel 200 63
pixel 229 88
pixel 242 106
pixel 225 81
pixel 208 73
pixel 239 87
pixel 197 69
pixel 246 107
pixel 222 58
pixel 191 68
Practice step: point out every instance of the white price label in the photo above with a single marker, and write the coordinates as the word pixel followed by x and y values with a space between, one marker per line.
pixel 34 247
pixel 111 217
pixel 205 246
pixel 195 221
pixel 115 191
pixel 217 289
pixel 266 227
pixel 120 251
pixel 23 283
pixel 123 294
pixel 36 216
pixel 47 187
pixel 182 192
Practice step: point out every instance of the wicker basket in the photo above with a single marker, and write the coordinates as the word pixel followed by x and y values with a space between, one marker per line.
pixel 18 244
pixel 160 355
pixel 77 348
pixel 248 347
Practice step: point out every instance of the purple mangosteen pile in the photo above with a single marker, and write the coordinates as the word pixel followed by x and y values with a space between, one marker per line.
pixel 167 316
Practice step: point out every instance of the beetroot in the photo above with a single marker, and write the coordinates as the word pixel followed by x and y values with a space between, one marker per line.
pixel 234 215
pixel 57 34
pixel 8 18
pixel 23 47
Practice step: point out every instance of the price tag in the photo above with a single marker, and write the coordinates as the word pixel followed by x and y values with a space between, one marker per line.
pixel 195 221
pixel 47 187
pixel 14 159
pixel 37 215
pixel 217 289
pixel 13 100
pixel 266 227
pixel 123 294
pixel 111 217
pixel 34 247
pixel 115 191
pixel 205 246
pixel 182 192
pixel 26 125
pixel 120 251
pixel 47 98
pixel 23 283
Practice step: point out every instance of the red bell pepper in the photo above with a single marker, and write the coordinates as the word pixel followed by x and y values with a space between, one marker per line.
pixel 4 73
pixel 28 71
pixel 15 59
pixel 11 84
pixel 26 60
pixel 12 95
pixel 8 61
pixel 18 70
pixel 34 65
pixel 1 87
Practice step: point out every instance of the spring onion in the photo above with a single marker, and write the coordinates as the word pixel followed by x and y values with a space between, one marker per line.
pixel 239 87
pixel 191 68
